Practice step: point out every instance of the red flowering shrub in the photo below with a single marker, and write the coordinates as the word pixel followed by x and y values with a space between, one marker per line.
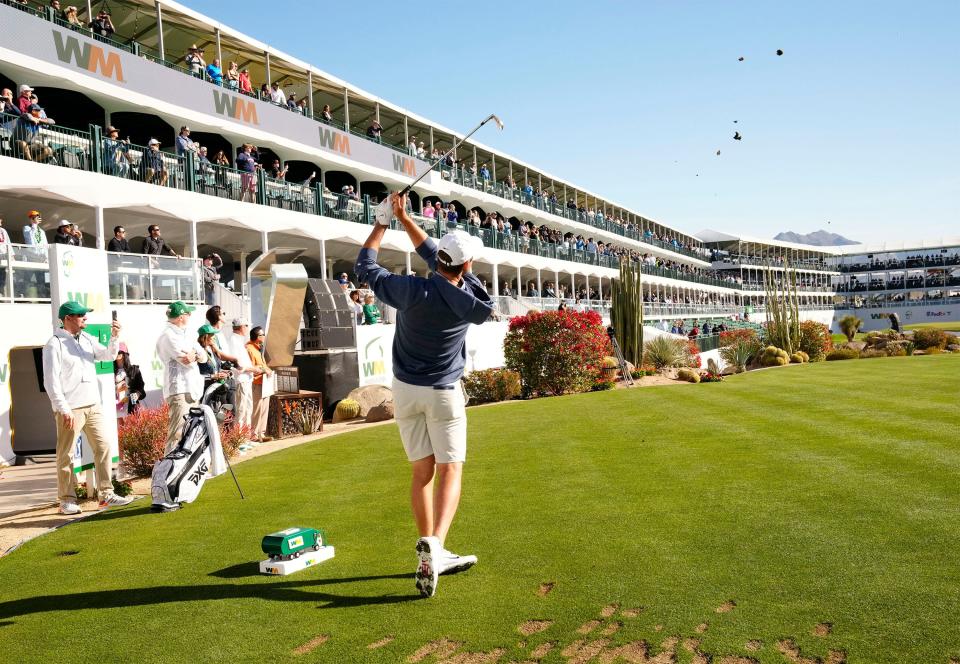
pixel 556 352
pixel 731 337
pixel 142 438
pixel 231 437
pixel 693 355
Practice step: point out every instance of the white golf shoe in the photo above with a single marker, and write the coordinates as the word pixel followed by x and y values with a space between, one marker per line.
pixel 69 507
pixel 428 552
pixel 451 563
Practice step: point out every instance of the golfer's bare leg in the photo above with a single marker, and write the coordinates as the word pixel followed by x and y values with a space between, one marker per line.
pixel 446 498
pixel 421 495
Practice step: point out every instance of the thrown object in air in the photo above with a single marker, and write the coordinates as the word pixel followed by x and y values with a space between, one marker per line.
pixel 718 153
pixel 294 549
pixel 737 136
pixel 740 59
pixel 779 51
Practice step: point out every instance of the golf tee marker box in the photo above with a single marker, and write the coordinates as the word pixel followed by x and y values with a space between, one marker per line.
pixel 285 567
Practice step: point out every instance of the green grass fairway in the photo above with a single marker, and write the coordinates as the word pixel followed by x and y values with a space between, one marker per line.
pixel 809 494
pixel 949 326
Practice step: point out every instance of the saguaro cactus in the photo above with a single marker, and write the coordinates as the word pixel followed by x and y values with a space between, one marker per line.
pixel 626 313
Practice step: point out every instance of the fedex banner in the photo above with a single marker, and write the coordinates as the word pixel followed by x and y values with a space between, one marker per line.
pixel 88 57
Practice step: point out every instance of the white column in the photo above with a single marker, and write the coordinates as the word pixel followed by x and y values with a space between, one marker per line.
pixel 556 282
pixel 264 244
pixel 600 289
pixel 163 55
pixel 216 32
pixel 323 259
pixel 194 251
pixel 587 279
pixel 243 272
pixel 310 92
pixel 346 110
pixel 496 279
pixel 539 283
pixel 409 265
pixel 519 283
pixel 98 220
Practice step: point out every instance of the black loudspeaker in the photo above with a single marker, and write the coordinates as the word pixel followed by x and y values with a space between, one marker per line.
pixel 333 374
pixel 328 315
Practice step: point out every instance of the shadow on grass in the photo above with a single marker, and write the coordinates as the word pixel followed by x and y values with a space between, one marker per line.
pixel 284 591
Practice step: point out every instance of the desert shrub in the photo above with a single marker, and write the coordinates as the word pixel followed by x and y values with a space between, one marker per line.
pixel 868 353
pixel 740 353
pixel 347 409
pixel 815 340
pixel 933 350
pixel 898 350
pixel 142 437
pixel 663 351
pixel 909 347
pixel 556 352
pixel 232 437
pixel 689 375
pixel 850 325
pixel 930 337
pixel 692 355
pixel 842 354
pixel 731 337
pixel 489 385
pixel 796 358
pixel 773 357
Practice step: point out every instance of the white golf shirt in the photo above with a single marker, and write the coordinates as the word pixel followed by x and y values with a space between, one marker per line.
pixel 237 346
pixel 69 374
pixel 179 378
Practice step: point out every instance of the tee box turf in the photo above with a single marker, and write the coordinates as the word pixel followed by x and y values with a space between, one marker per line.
pixel 294 549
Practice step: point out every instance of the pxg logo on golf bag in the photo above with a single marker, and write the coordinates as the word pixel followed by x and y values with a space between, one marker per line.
pixel 198 474
pixel 88 57
pixel 235 108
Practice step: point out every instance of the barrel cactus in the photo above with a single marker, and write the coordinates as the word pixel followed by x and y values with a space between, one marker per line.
pixel 347 409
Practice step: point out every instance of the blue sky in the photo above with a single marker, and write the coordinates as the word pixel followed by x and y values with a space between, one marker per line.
pixel 856 128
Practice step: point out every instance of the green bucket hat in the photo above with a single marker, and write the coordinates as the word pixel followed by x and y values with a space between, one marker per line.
pixel 72 308
pixel 206 328
pixel 178 308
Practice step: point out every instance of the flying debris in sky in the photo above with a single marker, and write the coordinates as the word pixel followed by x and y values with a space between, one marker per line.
pixel 734 122
pixel 737 136
pixel 779 51
pixel 718 153
pixel 740 59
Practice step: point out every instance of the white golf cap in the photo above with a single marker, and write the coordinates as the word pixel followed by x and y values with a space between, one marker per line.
pixel 460 246
pixel 240 322
pixel 153 141
pixel 25 88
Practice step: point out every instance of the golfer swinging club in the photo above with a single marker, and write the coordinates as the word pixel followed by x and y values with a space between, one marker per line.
pixel 429 355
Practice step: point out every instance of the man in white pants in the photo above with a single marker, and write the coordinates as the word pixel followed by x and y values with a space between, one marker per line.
pixel 179 353
pixel 429 355
pixel 237 346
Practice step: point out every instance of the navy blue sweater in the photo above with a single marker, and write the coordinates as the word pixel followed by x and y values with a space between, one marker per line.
pixel 433 315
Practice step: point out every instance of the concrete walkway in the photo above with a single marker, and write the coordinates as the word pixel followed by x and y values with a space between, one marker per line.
pixel 28 494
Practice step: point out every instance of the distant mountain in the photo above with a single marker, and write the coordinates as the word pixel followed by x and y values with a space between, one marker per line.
pixel 819 238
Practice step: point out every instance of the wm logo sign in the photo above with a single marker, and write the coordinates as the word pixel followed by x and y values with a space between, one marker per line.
pixel 235 107
pixel 334 141
pixel 88 57
pixel 403 165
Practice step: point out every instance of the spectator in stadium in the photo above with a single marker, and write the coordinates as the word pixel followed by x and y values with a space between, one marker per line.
pixel 374 131
pixel 302 107
pixel 326 114
pixel 116 153
pixel 344 281
pixel 278 172
pixel 32 233
pixel 233 76
pixel 70 16
pixel 7 104
pixel 64 234
pixel 243 80
pixel 180 356
pixel 185 144
pixel 262 372
pixel 248 174
pixel 194 61
pixel 211 370
pixel 102 25
pixel 243 397
pixel 421 151
pixel 215 72
pixel 451 216
pixel 211 276
pixel 292 102
pixel 276 95
pixel 371 315
pixel 154 245
pixel 26 132
pixel 532 290
pixel 118 243
pixel 412 147
pixel 355 302
pixel 130 388
pixel 153 168
pixel 70 381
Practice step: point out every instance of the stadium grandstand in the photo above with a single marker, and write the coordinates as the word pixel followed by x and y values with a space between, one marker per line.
pixel 167 124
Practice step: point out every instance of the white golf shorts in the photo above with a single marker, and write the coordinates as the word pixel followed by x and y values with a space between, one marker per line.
pixel 432 421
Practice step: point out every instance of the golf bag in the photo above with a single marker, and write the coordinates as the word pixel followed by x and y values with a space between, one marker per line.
pixel 179 476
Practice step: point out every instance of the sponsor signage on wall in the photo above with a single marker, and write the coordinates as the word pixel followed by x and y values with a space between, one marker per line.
pixel 45 41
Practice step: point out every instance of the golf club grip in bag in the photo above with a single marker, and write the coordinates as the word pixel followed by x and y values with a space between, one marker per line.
pixel 179 476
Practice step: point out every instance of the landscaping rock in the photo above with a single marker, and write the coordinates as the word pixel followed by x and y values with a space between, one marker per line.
pixel 855 345
pixel 954 348
pixel 370 396
pixel 381 412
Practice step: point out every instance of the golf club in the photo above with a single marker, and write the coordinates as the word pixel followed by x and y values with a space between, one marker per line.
pixel 384 211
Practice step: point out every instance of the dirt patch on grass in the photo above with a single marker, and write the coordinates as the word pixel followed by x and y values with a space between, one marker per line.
pixel 754 645
pixel 701 628
pixel 737 659
pixel 476 657
pixel 631 613
pixel 545 588
pixel 727 606
pixel 837 657
pixel 581 651
pixel 822 629
pixel 609 610
pixel 312 644
pixel 657 628
pixel 612 628
pixel 382 642
pixel 542 650
pixel 588 626
pixel 690 644
pixel 441 649
pixel 531 627
pixel 636 651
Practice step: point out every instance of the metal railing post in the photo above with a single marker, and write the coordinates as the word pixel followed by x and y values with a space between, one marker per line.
pixel 96 149
pixel 261 188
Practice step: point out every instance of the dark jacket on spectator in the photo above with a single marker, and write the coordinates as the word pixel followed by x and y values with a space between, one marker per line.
pixel 118 245
pixel 64 238
pixel 156 247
